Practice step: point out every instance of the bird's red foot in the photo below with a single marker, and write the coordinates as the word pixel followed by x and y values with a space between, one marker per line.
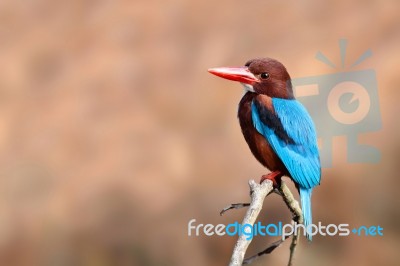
pixel 275 177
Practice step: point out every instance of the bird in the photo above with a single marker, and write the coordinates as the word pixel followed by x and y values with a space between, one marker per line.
pixel 277 128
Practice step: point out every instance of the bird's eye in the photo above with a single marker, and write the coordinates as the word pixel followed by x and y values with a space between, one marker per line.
pixel 264 75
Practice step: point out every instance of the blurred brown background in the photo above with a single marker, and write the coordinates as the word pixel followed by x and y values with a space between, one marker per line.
pixel 113 135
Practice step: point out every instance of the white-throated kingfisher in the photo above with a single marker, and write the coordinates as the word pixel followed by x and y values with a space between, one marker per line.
pixel 277 128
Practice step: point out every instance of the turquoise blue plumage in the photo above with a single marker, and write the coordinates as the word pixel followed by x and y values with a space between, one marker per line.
pixel 300 155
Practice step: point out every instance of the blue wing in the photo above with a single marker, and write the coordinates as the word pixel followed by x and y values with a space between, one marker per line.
pixel 291 134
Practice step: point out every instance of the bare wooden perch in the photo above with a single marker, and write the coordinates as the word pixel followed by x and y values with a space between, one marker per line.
pixel 258 192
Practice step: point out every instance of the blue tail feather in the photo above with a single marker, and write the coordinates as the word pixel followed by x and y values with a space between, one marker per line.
pixel 305 196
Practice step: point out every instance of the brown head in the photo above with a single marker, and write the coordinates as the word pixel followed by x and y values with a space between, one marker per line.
pixel 263 76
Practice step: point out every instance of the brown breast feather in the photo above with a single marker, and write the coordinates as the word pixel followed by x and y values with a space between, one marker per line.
pixel 259 146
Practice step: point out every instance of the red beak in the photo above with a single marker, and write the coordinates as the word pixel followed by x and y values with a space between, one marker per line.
pixel 241 74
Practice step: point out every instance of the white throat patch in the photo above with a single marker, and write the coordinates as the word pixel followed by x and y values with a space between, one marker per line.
pixel 247 87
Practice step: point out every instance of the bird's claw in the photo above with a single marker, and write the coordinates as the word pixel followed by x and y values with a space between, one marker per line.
pixel 275 177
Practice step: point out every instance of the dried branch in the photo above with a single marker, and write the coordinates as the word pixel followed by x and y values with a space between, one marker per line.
pixel 258 192
pixel 266 251
pixel 234 206
pixel 291 202
pixel 294 207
